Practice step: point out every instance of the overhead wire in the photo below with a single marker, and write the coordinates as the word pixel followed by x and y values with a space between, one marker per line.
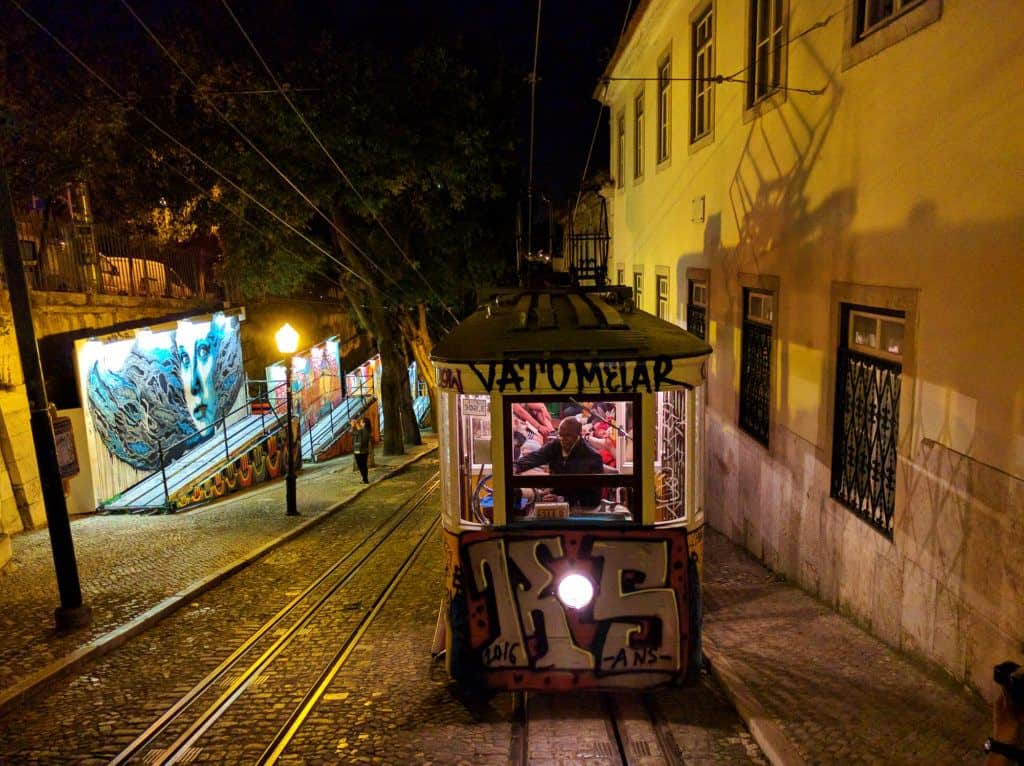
pixel 597 127
pixel 151 152
pixel 117 94
pixel 252 145
pixel 316 138
pixel 533 112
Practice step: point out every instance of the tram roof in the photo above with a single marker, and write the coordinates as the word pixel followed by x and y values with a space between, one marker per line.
pixel 572 323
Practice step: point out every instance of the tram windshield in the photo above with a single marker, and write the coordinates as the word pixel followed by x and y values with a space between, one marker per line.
pixel 571 459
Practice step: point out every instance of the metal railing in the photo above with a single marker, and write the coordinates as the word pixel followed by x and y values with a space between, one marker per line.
pixel 180 446
pixel 106 260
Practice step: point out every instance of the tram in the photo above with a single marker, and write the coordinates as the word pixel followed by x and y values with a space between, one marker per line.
pixel 571 429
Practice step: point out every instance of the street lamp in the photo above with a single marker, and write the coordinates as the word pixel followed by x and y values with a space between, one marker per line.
pixel 287 341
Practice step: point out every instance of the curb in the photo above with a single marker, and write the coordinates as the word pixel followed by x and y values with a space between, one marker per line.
pixel 107 642
pixel 769 735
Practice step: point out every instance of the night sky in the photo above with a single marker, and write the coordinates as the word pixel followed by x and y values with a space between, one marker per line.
pixel 576 41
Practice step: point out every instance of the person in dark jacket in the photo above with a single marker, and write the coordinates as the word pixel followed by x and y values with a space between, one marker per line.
pixel 569 454
pixel 361 445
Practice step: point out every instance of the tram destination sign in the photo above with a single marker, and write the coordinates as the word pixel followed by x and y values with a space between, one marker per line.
pixel 623 376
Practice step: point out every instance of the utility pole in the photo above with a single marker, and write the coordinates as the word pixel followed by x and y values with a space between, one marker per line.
pixel 71 613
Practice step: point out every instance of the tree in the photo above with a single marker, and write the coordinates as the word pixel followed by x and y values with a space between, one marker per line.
pixel 424 142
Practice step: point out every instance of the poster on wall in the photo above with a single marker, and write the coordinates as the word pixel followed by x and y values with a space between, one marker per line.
pixel 154 391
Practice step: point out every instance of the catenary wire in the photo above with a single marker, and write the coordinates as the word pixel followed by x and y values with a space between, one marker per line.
pixel 533 111
pixel 334 162
pixel 152 153
pixel 597 126
pixel 178 143
pixel 251 144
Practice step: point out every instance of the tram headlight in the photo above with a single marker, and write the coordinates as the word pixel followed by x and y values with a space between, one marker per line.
pixel 575 591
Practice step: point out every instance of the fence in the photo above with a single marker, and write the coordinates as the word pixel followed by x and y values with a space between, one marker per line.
pixel 102 259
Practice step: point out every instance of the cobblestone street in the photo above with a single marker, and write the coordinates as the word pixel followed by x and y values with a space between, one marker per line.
pixel 391 703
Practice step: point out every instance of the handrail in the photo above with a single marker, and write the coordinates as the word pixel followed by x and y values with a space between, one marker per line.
pixel 213 426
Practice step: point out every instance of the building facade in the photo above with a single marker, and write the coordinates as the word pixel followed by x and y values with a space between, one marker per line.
pixel 830 194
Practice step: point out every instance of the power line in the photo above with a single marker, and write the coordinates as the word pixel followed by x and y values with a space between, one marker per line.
pixel 715 78
pixel 249 142
pixel 597 126
pixel 327 153
pixel 533 111
pixel 151 152
pixel 176 141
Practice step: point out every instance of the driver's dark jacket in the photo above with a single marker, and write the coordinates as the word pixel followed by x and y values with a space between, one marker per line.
pixel 581 459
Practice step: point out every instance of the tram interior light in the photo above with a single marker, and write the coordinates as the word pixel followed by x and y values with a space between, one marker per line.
pixel 575 591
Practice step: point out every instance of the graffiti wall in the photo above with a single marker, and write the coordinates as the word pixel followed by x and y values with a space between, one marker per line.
pixel 147 392
pixel 631 619
pixel 263 461
pixel 316 382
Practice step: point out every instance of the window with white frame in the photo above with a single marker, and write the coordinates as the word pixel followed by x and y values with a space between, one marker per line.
pixel 662 289
pixel 620 158
pixel 766 55
pixel 620 276
pixel 638 288
pixel 701 89
pixel 664 108
pixel 638 135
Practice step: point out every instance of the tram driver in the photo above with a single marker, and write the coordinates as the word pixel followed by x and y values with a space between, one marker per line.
pixel 568 454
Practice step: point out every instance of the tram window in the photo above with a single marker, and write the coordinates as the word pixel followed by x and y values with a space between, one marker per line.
pixel 475 467
pixel 670 457
pixel 571 459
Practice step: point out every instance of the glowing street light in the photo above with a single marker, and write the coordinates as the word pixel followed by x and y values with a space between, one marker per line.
pixel 287 341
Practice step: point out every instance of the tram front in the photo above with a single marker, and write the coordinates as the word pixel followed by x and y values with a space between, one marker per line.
pixel 571 441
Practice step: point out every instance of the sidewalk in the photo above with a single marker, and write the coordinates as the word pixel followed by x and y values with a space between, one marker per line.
pixel 813 687
pixel 135 570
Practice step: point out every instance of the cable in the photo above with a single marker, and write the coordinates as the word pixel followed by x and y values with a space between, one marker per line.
pixel 177 142
pixel 150 152
pixel 533 111
pixel 327 153
pixel 597 125
pixel 252 145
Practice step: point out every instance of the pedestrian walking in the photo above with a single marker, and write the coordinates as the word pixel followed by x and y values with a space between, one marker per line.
pixel 361 437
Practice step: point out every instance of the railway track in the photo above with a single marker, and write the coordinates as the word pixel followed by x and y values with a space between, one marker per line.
pixel 625 729
pixel 273 652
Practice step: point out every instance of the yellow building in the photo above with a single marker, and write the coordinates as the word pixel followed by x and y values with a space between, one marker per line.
pixel 831 192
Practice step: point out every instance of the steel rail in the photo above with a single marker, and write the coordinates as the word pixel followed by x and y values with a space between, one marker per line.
pixel 300 713
pixel 180 747
pixel 621 746
pixel 172 714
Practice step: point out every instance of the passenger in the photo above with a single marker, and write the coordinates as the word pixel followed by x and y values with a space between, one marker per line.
pixel 570 454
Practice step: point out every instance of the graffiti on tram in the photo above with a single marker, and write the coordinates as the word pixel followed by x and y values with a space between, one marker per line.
pixel 509 628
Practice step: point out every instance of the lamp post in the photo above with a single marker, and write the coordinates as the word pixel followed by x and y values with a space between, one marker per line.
pixel 287 341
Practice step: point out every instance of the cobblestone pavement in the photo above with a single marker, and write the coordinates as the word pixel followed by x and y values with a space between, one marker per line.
pixel 819 688
pixel 129 565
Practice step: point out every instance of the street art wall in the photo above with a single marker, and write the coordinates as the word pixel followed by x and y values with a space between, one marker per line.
pixel 152 391
pixel 508 629
pixel 316 382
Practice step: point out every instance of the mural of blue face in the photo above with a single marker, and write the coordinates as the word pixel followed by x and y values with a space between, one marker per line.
pixel 168 392
pixel 196 359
